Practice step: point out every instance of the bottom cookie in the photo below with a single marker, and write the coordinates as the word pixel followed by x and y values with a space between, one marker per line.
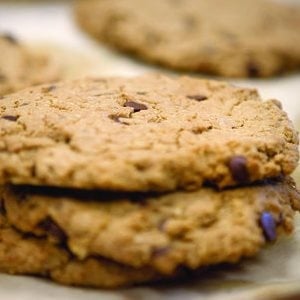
pixel 25 254
pixel 98 239
pixel 163 232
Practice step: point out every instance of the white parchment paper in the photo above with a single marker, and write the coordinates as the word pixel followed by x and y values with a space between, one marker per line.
pixel 275 273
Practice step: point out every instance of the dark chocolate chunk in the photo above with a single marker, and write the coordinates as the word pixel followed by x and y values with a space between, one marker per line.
pixel 197 97
pixel 10 118
pixel 10 38
pixel 135 105
pixel 268 225
pixel 53 229
pixel 238 169
pixel 252 69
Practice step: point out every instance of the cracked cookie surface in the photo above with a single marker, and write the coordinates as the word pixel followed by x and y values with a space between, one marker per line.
pixel 149 133
pixel 233 38
pixel 164 232
pixel 20 67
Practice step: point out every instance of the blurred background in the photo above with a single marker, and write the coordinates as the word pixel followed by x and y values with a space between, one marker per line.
pixel 48 26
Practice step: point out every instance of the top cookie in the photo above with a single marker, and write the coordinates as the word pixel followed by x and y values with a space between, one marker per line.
pixel 144 133
pixel 230 38
pixel 20 68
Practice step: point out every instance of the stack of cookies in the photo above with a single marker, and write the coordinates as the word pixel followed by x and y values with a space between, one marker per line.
pixel 116 181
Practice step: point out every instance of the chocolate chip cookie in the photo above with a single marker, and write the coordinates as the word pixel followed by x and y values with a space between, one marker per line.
pixel 25 254
pixel 160 231
pixel 230 38
pixel 149 133
pixel 20 67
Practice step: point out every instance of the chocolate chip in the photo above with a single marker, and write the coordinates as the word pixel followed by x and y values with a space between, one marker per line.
pixel 238 169
pixel 161 251
pixel 10 118
pixel 53 229
pixel 252 69
pixel 135 105
pixel 197 97
pixel 268 225
pixel 10 38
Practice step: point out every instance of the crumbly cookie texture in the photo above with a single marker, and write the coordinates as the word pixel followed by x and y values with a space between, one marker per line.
pixel 149 133
pixel 233 38
pixel 20 68
pixel 26 254
pixel 164 232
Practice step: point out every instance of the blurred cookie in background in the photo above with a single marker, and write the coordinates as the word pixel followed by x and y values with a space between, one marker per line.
pixel 229 38
pixel 21 67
